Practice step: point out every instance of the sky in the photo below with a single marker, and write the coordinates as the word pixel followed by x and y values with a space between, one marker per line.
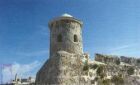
pixel 110 27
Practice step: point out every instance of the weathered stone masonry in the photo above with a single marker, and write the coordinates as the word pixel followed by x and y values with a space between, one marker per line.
pixel 66 47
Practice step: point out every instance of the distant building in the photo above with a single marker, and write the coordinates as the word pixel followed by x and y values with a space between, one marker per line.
pixel 23 81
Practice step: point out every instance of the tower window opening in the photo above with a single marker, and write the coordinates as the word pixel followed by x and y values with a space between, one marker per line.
pixel 59 38
pixel 75 38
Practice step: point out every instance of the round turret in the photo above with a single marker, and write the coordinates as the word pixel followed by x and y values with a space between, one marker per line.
pixel 66 35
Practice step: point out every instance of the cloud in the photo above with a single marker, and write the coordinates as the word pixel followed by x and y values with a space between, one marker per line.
pixel 23 70
pixel 122 49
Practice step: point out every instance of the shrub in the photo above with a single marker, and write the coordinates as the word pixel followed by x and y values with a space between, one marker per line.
pixel 117 80
pixel 118 62
pixel 130 71
pixel 86 68
pixel 100 70
pixel 138 61
pixel 94 66
pixel 106 82
pixel 102 75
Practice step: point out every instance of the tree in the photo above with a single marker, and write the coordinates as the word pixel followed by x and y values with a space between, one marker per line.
pixel 130 71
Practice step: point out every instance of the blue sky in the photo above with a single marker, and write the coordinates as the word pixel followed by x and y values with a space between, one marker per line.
pixel 110 27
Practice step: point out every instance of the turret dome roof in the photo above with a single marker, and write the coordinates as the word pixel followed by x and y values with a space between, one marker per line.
pixel 66 15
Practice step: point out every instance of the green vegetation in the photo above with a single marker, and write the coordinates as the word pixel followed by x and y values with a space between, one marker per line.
pixel 104 82
pixel 138 61
pixel 118 62
pixel 102 75
pixel 117 80
pixel 120 75
pixel 100 70
pixel 94 66
pixel 130 71
pixel 86 68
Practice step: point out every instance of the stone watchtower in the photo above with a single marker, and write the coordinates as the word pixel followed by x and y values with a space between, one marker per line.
pixel 66 48
pixel 66 35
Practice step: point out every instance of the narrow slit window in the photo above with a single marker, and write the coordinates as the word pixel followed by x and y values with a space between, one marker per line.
pixel 59 38
pixel 75 38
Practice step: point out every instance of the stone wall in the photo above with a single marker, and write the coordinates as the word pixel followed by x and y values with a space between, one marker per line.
pixel 62 69
pixel 66 48
pixel 112 59
pixel 67 29
pixel 106 58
